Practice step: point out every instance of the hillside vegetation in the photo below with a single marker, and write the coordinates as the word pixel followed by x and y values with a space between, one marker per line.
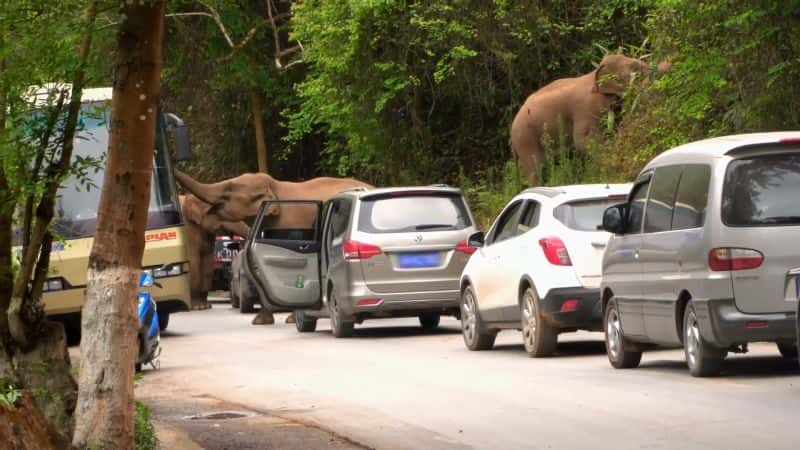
pixel 399 92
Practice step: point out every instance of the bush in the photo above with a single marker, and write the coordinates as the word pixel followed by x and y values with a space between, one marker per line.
pixel 144 430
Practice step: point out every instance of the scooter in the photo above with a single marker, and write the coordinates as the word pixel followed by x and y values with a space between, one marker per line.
pixel 149 334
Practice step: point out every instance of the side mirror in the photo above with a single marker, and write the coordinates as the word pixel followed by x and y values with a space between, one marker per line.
pixel 476 239
pixel 180 135
pixel 614 219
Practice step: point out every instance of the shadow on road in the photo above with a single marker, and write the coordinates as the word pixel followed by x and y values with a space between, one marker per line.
pixel 565 349
pixel 397 332
pixel 737 367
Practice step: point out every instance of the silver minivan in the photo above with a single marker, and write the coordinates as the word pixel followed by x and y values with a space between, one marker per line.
pixel 387 252
pixel 706 252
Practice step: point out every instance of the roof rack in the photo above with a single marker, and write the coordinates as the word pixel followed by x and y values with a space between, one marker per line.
pixel 442 185
pixel 354 189
pixel 546 191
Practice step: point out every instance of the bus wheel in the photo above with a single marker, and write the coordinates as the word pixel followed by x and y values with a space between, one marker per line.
pixel 163 320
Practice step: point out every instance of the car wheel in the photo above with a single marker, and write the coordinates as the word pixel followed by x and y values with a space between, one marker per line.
pixel 163 320
pixel 304 323
pixel 538 336
pixel 616 344
pixel 704 359
pixel 234 297
pixel 788 351
pixel 246 301
pixel 341 326
pixel 472 328
pixel 429 321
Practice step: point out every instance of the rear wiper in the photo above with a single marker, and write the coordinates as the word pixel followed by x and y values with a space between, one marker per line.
pixel 780 219
pixel 428 226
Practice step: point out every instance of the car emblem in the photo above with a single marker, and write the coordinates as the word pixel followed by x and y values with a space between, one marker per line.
pixel 418 238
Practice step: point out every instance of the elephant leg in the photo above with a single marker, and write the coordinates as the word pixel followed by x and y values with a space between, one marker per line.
pixel 585 132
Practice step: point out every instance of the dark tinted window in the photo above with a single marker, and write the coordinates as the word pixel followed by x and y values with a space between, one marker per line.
pixel 271 229
pixel 690 203
pixel 530 216
pixel 340 217
pixel 762 190
pixel 658 216
pixel 507 225
pixel 413 212
pixel 636 210
pixel 584 215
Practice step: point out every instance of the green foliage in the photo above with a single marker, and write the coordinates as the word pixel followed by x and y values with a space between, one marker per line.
pixel 9 394
pixel 144 431
pixel 487 192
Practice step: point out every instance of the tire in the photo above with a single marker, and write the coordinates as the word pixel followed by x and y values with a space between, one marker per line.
pixel 246 301
pixel 429 321
pixel 788 351
pixel 703 359
pixel 539 337
pixel 473 330
pixel 163 320
pixel 303 323
pixel 341 326
pixel 234 297
pixel 616 344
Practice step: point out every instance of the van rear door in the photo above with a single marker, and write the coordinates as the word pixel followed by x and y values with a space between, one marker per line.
pixel 761 211
pixel 283 253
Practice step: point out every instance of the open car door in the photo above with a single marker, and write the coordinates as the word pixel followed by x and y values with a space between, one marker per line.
pixel 283 255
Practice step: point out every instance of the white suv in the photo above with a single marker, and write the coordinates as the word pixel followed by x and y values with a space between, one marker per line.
pixel 538 268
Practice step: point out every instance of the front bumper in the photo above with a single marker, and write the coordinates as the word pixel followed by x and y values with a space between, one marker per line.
pixel 587 315
pixel 723 325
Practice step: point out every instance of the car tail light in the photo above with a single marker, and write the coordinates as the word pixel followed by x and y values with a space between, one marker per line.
pixel 570 304
pixel 790 140
pixel 464 247
pixel 354 250
pixel 368 302
pixel 555 251
pixel 729 258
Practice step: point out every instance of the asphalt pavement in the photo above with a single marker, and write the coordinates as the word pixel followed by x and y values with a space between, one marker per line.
pixel 394 386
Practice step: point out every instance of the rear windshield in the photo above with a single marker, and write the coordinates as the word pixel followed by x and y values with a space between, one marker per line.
pixel 762 191
pixel 415 212
pixel 584 215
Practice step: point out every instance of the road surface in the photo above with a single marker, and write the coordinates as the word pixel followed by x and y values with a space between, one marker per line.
pixel 393 386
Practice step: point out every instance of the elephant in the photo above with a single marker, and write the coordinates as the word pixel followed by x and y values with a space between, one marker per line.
pixel 233 201
pixel 578 104
pixel 201 230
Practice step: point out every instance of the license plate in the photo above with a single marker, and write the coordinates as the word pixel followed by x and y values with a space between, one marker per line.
pixel 417 260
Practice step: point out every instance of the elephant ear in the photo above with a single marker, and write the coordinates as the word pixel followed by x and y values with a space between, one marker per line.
pixel 607 80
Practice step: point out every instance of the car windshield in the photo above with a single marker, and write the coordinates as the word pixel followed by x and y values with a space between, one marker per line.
pixel 413 212
pixel 583 215
pixel 762 191
pixel 79 196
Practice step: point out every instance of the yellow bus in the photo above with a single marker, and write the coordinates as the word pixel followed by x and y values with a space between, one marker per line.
pixel 76 217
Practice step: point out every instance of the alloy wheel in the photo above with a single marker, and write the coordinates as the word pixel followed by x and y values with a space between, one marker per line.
pixel 614 333
pixel 692 340
pixel 529 320
pixel 468 318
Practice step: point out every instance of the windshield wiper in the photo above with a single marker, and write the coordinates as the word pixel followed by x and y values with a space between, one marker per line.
pixel 429 226
pixel 781 219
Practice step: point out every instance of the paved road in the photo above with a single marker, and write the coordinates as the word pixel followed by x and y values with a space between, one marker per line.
pixel 393 386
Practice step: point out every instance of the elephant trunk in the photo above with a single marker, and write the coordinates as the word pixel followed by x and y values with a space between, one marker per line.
pixel 209 193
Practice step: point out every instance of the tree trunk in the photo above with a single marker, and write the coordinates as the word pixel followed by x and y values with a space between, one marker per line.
pixel 258 126
pixel 104 415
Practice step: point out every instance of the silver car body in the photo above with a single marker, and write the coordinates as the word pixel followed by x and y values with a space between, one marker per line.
pixel 396 272
pixel 653 271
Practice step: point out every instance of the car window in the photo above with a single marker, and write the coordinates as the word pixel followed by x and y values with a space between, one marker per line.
pixel 397 213
pixel 340 218
pixel 661 201
pixel 530 217
pixel 762 190
pixel 583 215
pixel 636 210
pixel 692 197
pixel 507 224
pixel 271 229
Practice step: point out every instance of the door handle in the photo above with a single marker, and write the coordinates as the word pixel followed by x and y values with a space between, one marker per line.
pixel 304 247
pixel 598 244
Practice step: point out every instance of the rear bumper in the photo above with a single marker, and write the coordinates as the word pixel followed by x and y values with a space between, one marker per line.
pixel 724 325
pixel 400 304
pixel 586 316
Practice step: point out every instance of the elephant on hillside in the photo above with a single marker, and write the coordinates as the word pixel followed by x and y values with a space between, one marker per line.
pixel 576 104
pixel 229 203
